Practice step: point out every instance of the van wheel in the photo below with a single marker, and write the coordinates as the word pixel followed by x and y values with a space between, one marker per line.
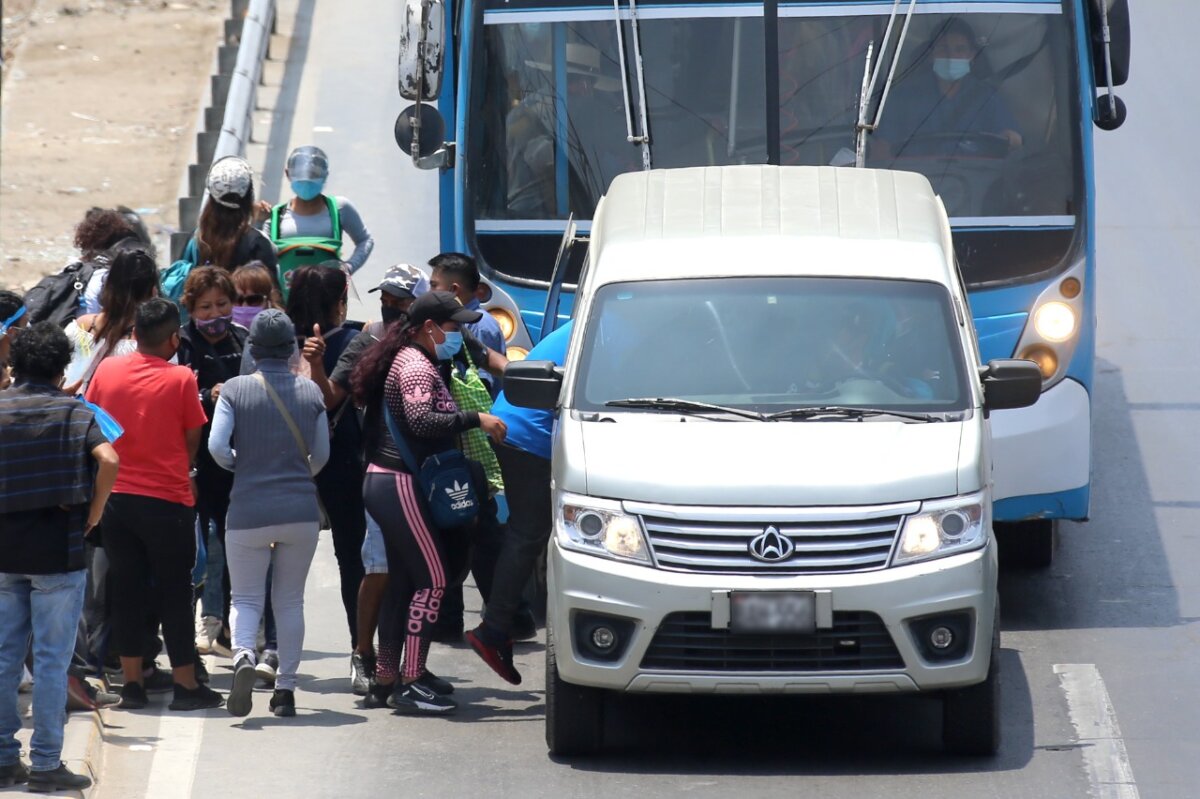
pixel 574 713
pixel 971 715
pixel 1028 544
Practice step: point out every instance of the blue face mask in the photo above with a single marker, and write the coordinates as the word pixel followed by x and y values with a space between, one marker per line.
pixel 308 189
pixel 951 69
pixel 450 347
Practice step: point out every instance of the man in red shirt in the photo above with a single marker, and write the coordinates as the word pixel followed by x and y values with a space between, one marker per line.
pixel 148 527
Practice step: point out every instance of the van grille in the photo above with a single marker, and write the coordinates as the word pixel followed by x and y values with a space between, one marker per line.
pixel 858 641
pixel 820 547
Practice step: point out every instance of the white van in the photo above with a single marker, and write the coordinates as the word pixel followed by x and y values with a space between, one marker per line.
pixel 771 469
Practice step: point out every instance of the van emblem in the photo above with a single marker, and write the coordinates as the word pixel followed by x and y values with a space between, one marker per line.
pixel 771 546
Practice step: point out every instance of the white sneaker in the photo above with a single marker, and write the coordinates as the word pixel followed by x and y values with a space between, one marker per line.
pixel 208 630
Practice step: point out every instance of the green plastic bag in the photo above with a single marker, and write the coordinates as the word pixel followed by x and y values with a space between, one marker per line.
pixel 470 394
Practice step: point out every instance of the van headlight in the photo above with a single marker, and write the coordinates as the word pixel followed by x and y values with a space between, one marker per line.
pixel 600 527
pixel 943 527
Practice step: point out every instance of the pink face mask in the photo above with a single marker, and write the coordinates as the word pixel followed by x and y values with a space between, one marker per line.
pixel 244 314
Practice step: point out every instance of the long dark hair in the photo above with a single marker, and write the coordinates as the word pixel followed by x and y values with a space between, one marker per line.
pixel 315 295
pixel 371 371
pixel 221 229
pixel 132 279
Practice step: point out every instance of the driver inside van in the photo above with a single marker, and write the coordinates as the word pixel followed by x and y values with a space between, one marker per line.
pixel 947 111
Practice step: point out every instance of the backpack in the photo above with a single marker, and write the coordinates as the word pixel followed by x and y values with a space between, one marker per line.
pixel 59 298
pixel 172 278
pixel 297 251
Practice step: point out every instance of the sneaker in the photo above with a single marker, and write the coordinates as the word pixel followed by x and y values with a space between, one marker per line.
pixel 208 630
pixel 435 683
pixel 13 774
pixel 283 702
pixel 377 695
pixel 362 669
pixel 82 695
pixel 240 699
pixel 199 698
pixel 59 779
pixel 156 680
pixel 133 696
pixel 202 675
pixel 499 658
pixel 268 666
pixel 223 645
pixel 415 698
pixel 524 627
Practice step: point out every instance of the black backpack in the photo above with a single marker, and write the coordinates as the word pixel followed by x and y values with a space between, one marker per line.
pixel 59 298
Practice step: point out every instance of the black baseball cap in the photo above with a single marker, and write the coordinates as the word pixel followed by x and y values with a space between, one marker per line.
pixel 440 306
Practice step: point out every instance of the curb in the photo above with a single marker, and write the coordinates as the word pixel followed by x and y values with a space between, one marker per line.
pixel 83 748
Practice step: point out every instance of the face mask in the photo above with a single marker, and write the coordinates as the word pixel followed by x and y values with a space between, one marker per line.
pixel 389 314
pixel 214 328
pixel 951 69
pixel 450 347
pixel 244 314
pixel 308 189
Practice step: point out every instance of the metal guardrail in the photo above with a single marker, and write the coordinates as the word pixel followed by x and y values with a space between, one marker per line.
pixel 243 86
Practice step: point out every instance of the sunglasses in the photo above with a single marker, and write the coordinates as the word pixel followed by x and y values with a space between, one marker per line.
pixel 250 299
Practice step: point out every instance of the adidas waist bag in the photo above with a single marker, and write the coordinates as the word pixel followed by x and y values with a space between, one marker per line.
pixel 444 479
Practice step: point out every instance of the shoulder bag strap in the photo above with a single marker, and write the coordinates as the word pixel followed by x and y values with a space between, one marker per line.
pixel 98 355
pixel 287 416
pixel 276 210
pixel 401 445
pixel 335 217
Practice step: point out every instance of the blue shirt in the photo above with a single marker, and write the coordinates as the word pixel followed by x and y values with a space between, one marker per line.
pixel 487 329
pixel 529 429
pixel 918 108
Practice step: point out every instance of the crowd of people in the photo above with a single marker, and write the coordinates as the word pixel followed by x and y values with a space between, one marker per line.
pixel 173 438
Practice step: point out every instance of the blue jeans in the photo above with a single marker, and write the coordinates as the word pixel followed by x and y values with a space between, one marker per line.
pixel 46 606
pixel 212 601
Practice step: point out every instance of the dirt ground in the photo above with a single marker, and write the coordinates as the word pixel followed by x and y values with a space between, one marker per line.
pixel 98 108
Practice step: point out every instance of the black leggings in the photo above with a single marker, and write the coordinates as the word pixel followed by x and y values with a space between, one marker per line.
pixel 151 548
pixel 340 485
pixel 417 566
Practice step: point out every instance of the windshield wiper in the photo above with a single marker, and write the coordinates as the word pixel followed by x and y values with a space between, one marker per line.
pixel 857 414
pixel 682 405
pixel 862 127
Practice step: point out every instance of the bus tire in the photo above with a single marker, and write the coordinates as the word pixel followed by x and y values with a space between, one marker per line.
pixel 1026 545
pixel 971 715
pixel 574 713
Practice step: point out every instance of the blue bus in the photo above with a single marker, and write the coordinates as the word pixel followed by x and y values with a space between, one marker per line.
pixel 544 101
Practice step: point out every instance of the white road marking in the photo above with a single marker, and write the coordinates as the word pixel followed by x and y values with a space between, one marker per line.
pixel 173 767
pixel 322 129
pixel 1104 757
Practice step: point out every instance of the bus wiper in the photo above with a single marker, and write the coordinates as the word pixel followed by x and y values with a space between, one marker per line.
pixel 643 118
pixel 849 413
pixel 683 406
pixel 862 127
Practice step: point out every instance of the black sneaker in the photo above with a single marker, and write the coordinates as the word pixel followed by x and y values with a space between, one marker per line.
pixel 377 695
pixel 133 696
pixel 199 698
pixel 13 774
pixel 283 702
pixel 362 669
pixel 240 699
pixel 157 681
pixel 415 698
pixel 435 683
pixel 202 675
pixel 59 779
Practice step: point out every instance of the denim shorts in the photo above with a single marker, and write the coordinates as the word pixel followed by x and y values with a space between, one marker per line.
pixel 374 555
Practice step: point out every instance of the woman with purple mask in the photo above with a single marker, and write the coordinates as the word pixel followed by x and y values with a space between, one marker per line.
pixel 211 346
pixel 255 291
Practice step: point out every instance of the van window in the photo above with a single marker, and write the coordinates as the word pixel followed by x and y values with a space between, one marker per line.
pixel 770 344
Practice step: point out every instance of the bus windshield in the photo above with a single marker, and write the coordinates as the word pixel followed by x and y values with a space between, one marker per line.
pixel 983 104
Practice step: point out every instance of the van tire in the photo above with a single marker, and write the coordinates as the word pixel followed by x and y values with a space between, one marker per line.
pixel 1028 544
pixel 574 713
pixel 971 715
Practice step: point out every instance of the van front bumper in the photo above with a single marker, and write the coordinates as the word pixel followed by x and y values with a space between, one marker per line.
pixel 896 604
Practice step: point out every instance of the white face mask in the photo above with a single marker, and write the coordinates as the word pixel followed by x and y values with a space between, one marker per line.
pixel 951 69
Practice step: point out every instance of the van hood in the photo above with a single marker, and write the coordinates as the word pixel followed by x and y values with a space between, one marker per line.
pixel 664 459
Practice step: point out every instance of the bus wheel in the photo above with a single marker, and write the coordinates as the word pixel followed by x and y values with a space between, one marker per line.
pixel 1026 545
pixel 971 715
pixel 574 713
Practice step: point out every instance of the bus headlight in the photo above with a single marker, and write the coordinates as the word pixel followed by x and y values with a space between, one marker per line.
pixel 1055 321
pixel 508 324
pixel 516 353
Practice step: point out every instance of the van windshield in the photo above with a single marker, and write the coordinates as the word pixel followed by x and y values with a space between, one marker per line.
pixel 774 344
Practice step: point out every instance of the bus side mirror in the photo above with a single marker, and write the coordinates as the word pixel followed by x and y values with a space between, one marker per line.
pixel 1110 112
pixel 1117 14
pixel 422 46
pixel 533 384
pixel 1010 383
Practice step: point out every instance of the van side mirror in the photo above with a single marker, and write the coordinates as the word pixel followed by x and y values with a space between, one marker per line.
pixel 1010 383
pixel 533 384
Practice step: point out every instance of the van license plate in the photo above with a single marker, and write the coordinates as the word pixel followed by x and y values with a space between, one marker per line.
pixel 772 612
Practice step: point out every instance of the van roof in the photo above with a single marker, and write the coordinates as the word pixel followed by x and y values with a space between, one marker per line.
pixel 706 221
